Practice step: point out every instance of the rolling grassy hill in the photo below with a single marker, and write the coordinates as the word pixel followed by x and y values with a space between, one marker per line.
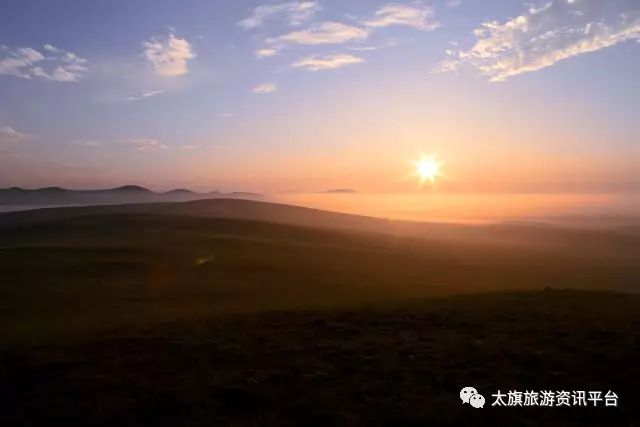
pixel 112 264
pixel 233 312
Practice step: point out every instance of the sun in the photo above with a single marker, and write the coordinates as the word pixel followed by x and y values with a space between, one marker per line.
pixel 428 168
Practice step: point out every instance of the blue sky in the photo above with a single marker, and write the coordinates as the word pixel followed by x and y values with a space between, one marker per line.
pixel 305 95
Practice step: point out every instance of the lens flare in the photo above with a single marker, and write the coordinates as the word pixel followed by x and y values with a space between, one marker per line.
pixel 428 168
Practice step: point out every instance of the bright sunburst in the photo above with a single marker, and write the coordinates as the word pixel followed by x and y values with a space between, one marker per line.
pixel 428 168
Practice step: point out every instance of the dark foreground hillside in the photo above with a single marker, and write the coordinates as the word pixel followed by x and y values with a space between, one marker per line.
pixel 370 367
pixel 85 269
pixel 241 314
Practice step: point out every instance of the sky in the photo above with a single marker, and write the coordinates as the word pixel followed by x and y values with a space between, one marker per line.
pixel 303 96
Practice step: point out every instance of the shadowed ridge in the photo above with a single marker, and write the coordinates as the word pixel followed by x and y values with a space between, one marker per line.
pixel 541 237
pixel 53 189
pixel 243 194
pixel 130 188
pixel 35 190
pixel 274 212
pixel 231 208
pixel 178 191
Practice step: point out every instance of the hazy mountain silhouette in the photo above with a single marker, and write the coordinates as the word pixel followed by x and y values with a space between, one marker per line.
pixel 125 194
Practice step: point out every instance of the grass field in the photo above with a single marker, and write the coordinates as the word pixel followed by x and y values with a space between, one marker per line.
pixel 244 313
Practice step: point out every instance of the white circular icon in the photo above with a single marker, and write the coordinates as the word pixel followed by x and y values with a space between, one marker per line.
pixel 477 401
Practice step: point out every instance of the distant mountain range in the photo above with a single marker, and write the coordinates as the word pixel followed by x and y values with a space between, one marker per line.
pixel 125 194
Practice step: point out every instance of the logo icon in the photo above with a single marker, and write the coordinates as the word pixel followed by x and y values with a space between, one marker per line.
pixel 471 396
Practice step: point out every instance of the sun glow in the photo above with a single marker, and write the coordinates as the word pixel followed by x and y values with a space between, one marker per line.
pixel 428 168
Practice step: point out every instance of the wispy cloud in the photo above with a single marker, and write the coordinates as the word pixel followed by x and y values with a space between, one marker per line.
pixel 9 135
pixel 266 52
pixel 188 147
pixel 265 88
pixel 317 63
pixel 420 17
pixel 143 144
pixel 139 144
pixel 293 12
pixel 414 15
pixel 169 54
pixel 325 33
pixel 371 48
pixel 543 35
pixel 145 95
pixel 54 64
